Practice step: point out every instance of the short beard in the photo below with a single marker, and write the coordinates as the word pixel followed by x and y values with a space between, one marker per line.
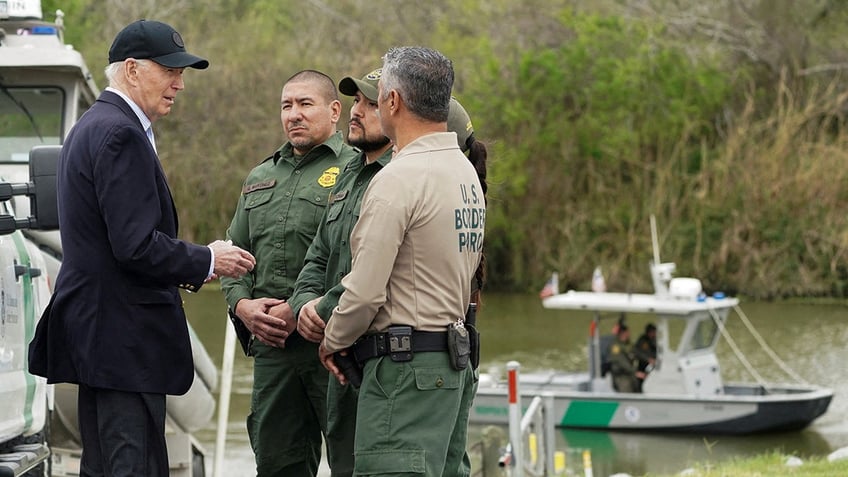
pixel 366 145
pixel 304 144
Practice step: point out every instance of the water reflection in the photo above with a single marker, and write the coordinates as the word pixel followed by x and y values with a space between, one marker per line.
pixel 811 339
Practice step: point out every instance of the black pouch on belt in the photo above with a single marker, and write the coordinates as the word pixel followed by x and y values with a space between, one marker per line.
pixel 459 346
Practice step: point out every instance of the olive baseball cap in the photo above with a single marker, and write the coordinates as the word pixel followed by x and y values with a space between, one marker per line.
pixel 157 41
pixel 368 85
pixel 460 123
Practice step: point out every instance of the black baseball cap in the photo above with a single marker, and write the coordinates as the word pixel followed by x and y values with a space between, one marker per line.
pixel 157 41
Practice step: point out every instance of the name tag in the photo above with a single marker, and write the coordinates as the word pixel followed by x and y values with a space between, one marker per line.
pixel 337 197
pixel 259 186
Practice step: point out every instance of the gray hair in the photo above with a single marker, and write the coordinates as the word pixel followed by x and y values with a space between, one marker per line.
pixel 113 69
pixel 423 77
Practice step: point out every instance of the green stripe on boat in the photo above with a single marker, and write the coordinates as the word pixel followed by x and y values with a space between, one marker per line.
pixel 589 413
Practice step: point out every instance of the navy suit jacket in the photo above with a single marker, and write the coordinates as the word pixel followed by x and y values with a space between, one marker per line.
pixel 115 319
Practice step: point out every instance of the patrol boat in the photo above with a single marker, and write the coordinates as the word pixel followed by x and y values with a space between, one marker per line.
pixel 45 86
pixel 684 392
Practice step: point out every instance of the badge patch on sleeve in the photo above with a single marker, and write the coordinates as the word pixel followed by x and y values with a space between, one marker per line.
pixel 328 177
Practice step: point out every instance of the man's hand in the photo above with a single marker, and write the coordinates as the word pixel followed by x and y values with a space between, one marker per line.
pixel 283 311
pixel 230 261
pixel 267 328
pixel 326 358
pixel 309 322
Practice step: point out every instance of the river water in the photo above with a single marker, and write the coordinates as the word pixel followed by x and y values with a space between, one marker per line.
pixel 811 339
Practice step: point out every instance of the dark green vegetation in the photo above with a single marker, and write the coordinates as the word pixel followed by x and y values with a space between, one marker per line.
pixel 725 119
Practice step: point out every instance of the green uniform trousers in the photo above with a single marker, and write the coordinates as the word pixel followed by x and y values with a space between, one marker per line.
pixel 412 417
pixel 288 412
pixel 341 427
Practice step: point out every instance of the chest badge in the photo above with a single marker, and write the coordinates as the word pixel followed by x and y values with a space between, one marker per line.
pixel 328 177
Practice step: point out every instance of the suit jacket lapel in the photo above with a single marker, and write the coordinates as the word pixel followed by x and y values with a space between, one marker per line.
pixel 114 99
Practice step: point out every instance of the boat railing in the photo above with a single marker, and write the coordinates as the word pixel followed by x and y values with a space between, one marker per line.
pixel 769 351
pixel 531 448
pixel 764 385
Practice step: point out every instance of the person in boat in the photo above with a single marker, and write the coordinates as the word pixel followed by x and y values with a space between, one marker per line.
pixel 623 363
pixel 645 350
pixel 605 342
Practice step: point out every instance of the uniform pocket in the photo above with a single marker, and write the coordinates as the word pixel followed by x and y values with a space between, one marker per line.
pixel 334 211
pixel 256 207
pixel 383 376
pixel 388 461
pixel 257 199
pixel 310 207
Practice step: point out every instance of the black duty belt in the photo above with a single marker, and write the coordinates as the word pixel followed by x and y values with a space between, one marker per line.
pixel 398 344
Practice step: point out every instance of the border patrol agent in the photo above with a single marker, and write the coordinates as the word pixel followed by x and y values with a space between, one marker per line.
pixel 415 250
pixel 278 213
pixel 625 376
pixel 328 259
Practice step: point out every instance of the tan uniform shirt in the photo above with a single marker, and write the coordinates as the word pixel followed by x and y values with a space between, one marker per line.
pixel 416 245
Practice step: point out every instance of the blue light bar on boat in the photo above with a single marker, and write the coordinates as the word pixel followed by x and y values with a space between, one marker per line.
pixel 43 30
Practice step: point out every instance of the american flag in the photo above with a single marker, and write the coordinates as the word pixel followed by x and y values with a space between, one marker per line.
pixel 551 287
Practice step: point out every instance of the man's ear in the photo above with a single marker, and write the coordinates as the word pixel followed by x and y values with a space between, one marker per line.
pixel 393 102
pixel 336 107
pixel 130 70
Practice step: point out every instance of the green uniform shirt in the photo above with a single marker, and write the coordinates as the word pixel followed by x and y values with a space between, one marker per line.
pixel 328 258
pixel 621 358
pixel 278 213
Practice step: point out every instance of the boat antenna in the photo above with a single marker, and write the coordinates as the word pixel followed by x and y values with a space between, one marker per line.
pixel 660 272
pixel 654 240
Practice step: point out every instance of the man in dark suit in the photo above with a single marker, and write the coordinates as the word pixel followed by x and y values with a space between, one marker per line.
pixel 115 324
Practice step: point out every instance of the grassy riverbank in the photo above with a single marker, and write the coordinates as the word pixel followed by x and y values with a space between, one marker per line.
pixel 766 466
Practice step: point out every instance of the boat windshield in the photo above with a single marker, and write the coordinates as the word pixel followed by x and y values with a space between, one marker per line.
pixel 29 116
pixel 705 335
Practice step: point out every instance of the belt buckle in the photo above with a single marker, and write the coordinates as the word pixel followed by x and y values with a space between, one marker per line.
pixel 400 343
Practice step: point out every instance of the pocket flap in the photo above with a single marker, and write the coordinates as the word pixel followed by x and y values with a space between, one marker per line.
pixel 257 198
pixel 427 379
pixel 334 211
pixel 389 461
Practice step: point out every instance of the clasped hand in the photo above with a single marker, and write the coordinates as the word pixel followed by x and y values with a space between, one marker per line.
pixel 270 320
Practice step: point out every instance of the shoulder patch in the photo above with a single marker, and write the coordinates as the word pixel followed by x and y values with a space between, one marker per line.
pixel 615 349
pixel 267 184
pixel 328 177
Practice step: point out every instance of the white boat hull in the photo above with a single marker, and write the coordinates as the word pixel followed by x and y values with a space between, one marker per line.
pixel 741 409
